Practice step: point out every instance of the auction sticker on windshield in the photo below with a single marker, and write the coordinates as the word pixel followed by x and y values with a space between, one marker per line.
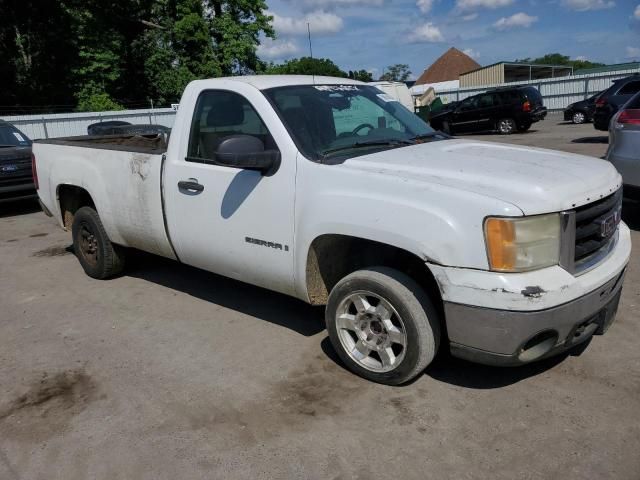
pixel 336 88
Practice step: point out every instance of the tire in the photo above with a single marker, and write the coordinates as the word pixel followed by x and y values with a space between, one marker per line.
pixel 99 257
pixel 386 310
pixel 446 128
pixel 578 118
pixel 506 126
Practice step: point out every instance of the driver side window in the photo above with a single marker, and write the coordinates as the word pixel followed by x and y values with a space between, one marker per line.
pixel 469 104
pixel 220 115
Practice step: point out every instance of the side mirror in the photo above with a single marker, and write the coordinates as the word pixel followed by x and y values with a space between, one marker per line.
pixel 247 152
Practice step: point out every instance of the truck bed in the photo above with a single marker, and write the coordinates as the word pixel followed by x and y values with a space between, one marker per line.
pixel 154 145
pixel 122 174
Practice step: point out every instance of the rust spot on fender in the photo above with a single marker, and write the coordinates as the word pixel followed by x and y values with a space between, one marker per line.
pixel 533 292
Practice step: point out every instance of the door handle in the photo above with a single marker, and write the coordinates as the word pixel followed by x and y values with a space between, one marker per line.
pixel 192 185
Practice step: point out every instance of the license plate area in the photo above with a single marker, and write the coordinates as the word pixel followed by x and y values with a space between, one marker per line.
pixel 597 324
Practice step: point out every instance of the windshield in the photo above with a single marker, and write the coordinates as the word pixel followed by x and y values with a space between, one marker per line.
pixel 346 120
pixel 12 137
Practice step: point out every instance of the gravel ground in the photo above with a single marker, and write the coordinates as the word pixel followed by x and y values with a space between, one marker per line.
pixel 169 372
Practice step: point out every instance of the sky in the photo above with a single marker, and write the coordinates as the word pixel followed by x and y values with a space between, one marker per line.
pixel 372 34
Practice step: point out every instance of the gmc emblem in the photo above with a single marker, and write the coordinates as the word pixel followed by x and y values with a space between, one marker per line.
pixel 609 224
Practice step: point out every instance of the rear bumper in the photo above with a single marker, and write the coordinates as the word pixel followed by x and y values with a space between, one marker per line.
pixel 17 192
pixel 538 115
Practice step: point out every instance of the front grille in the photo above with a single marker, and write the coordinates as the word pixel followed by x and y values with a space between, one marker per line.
pixel 596 224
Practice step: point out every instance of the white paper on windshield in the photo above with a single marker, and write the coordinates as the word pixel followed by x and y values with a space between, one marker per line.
pixel 336 88
pixel 19 137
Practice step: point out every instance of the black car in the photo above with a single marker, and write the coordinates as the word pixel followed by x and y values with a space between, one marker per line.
pixel 582 111
pixel 506 110
pixel 16 180
pixel 609 101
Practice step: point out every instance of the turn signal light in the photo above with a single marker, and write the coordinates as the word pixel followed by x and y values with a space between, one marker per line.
pixel 501 236
pixel 34 171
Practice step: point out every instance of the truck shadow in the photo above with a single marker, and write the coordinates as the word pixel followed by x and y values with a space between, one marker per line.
pixel 260 303
pixel 594 139
pixel 461 373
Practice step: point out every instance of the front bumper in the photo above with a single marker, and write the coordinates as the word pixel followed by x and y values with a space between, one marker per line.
pixel 516 338
pixel 513 319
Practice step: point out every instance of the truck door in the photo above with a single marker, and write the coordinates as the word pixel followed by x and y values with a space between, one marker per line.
pixel 234 222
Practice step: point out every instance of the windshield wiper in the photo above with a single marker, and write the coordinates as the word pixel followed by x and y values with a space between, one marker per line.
pixel 427 136
pixel 371 143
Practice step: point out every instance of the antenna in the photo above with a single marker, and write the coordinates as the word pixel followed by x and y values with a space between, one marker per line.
pixel 311 52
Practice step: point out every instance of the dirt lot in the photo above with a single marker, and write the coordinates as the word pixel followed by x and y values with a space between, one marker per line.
pixel 173 373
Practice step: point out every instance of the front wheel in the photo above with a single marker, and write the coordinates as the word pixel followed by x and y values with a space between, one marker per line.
pixel 97 255
pixel 382 325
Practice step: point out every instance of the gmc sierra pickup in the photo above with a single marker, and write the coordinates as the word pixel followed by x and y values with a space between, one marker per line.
pixel 328 190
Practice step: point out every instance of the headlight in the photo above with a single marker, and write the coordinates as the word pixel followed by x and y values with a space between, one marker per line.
pixel 524 243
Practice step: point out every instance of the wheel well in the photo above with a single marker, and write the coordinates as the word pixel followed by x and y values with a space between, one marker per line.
pixel 71 199
pixel 333 257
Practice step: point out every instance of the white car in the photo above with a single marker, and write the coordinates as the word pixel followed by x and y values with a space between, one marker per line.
pixel 327 190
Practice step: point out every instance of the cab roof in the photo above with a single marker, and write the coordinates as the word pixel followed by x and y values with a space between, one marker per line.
pixel 263 82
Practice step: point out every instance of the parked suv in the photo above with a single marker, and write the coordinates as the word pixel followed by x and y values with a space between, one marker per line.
pixel 504 109
pixel 624 145
pixel 16 181
pixel 582 111
pixel 613 98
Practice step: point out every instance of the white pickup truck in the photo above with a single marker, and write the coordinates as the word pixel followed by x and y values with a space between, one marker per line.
pixel 330 191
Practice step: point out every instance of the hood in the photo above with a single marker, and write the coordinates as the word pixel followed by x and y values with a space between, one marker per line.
pixel 533 179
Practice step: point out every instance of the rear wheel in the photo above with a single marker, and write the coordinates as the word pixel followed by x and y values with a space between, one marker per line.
pixel 506 126
pixel 578 118
pixel 382 325
pixel 98 256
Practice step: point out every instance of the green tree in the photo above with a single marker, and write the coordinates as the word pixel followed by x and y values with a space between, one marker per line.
pixel 397 73
pixel 92 99
pixel 559 59
pixel 306 66
pixel 361 75
pixel 68 51
pixel 38 52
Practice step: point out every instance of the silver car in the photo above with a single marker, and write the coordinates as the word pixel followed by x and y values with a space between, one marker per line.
pixel 624 146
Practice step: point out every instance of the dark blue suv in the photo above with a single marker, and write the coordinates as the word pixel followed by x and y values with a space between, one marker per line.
pixel 613 98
